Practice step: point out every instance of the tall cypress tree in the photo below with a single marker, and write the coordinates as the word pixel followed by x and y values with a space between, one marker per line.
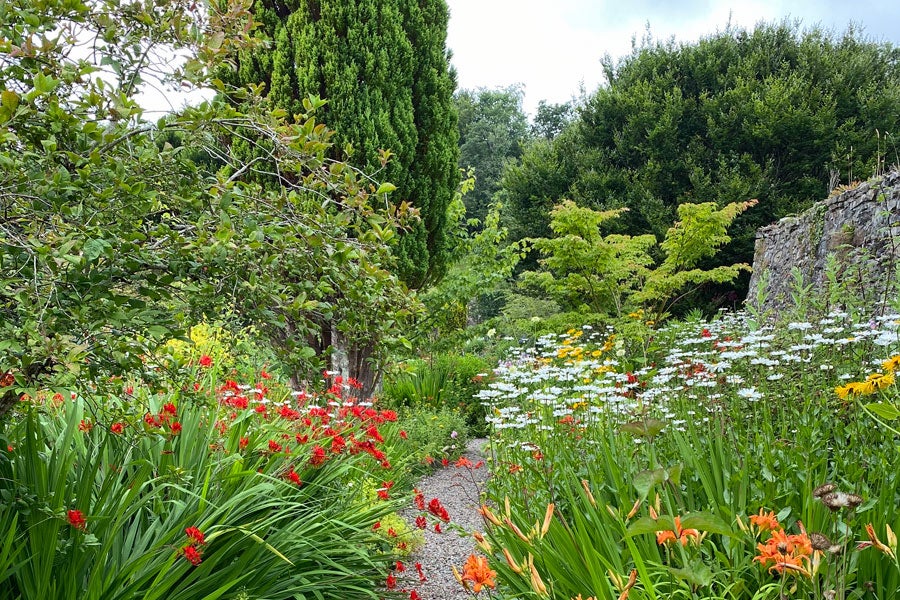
pixel 383 67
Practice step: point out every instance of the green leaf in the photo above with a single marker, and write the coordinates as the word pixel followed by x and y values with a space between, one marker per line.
pixel 644 428
pixel 704 521
pixel 94 249
pixel 884 410
pixel 648 525
pixel 386 188
pixel 9 100
pixel 696 574
pixel 44 84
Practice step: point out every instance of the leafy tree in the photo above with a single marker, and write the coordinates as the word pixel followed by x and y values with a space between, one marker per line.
pixel 551 119
pixel 492 131
pixel 770 113
pixel 615 273
pixel 115 236
pixel 384 69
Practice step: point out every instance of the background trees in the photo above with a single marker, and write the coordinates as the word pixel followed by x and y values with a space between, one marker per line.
pixel 774 114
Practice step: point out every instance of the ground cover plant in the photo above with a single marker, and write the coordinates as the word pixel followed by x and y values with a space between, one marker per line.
pixel 724 461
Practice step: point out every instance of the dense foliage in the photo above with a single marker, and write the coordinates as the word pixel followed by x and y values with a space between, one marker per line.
pixel 384 70
pixel 115 231
pixel 773 113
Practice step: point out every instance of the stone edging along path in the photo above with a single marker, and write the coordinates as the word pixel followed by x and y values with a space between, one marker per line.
pixel 458 489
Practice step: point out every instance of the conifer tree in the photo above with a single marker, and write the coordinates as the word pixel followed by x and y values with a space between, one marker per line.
pixel 383 68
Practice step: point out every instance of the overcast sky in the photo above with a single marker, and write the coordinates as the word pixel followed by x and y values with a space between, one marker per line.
pixel 555 47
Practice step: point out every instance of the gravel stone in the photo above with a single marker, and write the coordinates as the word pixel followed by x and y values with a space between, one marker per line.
pixel 459 490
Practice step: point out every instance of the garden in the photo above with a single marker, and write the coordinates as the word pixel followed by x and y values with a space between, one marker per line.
pixel 240 339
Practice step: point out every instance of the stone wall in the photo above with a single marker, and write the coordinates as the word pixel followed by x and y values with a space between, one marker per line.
pixel 859 229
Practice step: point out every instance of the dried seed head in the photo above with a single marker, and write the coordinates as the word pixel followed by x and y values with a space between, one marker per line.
pixel 825 488
pixel 838 500
pixel 854 500
pixel 782 548
pixel 819 541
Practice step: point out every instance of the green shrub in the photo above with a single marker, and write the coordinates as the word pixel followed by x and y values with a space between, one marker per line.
pixel 447 380
pixel 435 434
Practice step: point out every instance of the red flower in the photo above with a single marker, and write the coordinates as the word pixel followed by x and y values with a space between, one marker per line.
pixel 421 523
pixel 76 519
pixel 264 375
pixel 419 499
pixel 274 446
pixel 383 494
pixel 293 477
pixel 196 535
pixel 85 426
pixel 437 528
pixel 192 554
pixel 399 567
pixel 405 436
pixel 117 428
pixel 391 582
pixel 445 462
pixel 414 595
pixel 175 427
pixel 318 456
pixel 205 361
pixel 169 409
pixel 420 572
pixel 372 432
pixel 376 526
pixel 243 442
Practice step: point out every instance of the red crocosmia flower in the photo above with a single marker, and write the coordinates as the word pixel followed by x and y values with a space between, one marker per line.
pixel 391 582
pixel 85 426
pixel 274 446
pixel 205 361
pixel 389 415
pixel 437 528
pixel 419 499
pixel 391 532
pixel 401 545
pixel 338 444
pixel 293 477
pixel 261 409
pixel 264 375
pixel 169 409
pixel 414 595
pixel 403 434
pixel 400 567
pixel 196 387
pixel 421 523
pixel 244 441
pixel 385 464
pixel 318 456
pixel 196 535
pixel 117 428
pixel 463 462
pixel 705 333
pixel 420 572
pixel 445 462
pixel 383 494
pixel 376 526
pixel 151 420
pixel 479 464
pixel 175 427
pixel 76 519
pixel 372 432
pixel 192 554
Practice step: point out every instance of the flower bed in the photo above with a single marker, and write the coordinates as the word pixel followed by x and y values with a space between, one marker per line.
pixel 698 472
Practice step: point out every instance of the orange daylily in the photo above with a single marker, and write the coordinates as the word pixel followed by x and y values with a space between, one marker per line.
pixel 765 521
pixel 477 571
pixel 678 535
pixel 782 551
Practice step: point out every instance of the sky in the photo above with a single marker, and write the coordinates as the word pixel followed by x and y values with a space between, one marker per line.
pixel 554 48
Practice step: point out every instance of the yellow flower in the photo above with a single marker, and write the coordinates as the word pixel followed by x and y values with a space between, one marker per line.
pixel 891 364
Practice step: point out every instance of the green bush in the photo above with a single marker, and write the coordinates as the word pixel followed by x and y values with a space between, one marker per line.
pixel 436 435
pixel 447 380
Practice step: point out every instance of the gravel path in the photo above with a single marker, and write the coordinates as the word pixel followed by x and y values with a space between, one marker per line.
pixel 458 489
